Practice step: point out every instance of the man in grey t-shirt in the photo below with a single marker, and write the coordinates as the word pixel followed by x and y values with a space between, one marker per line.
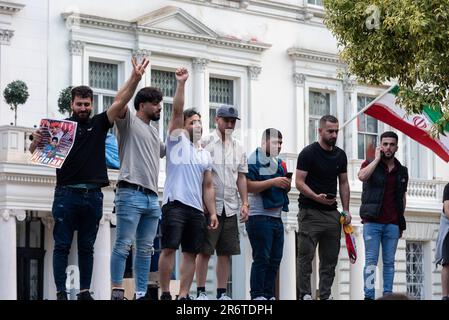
pixel 136 200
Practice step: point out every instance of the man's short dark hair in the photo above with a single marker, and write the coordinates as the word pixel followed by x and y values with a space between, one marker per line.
pixel 190 113
pixel 55 139
pixel 327 118
pixel 148 94
pixel 389 134
pixel 270 133
pixel 82 92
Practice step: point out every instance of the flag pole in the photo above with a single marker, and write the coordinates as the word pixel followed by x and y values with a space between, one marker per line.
pixel 366 107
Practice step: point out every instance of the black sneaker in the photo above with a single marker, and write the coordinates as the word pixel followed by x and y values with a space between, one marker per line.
pixel 184 298
pixel 61 295
pixel 166 296
pixel 118 294
pixel 85 295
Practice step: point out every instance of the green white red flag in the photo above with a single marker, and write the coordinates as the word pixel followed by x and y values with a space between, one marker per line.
pixel 416 126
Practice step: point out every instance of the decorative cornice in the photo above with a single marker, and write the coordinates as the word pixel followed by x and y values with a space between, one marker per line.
pixel 6 214
pixel 349 85
pixel 254 72
pixel 299 79
pixel 5 36
pixel 314 56
pixel 22 178
pixel 10 8
pixel 139 54
pixel 199 64
pixel 76 47
pixel 132 27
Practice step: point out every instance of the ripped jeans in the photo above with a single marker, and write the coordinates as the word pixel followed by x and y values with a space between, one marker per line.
pixel 138 215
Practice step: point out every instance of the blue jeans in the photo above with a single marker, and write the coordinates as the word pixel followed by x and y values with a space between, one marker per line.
pixel 375 234
pixel 75 210
pixel 138 215
pixel 266 235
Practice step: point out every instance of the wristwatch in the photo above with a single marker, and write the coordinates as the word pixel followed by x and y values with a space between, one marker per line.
pixel 246 204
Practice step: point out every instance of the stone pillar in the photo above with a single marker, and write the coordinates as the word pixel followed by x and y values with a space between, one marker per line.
pixel 350 108
pixel 8 253
pixel 49 280
pixel 200 90
pixel 254 102
pixel 300 106
pixel 287 270
pixel 76 49
pixel 243 262
pixel 356 269
pixel 101 276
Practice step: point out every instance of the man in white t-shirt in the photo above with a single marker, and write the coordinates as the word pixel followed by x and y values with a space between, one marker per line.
pixel 188 190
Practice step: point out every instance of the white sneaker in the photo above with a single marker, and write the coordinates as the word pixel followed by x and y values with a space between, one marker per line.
pixel 307 297
pixel 202 296
pixel 272 298
pixel 224 297
pixel 260 298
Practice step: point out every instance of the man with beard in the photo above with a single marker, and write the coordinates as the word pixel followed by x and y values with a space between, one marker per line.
pixel 319 166
pixel 382 211
pixel 136 199
pixel 188 193
pixel 78 201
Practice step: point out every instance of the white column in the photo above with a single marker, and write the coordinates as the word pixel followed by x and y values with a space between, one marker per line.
pixel 287 270
pixel 200 90
pixel 241 285
pixel 49 280
pixel 5 40
pixel 357 268
pixel 139 54
pixel 350 108
pixel 76 50
pixel 8 253
pixel 300 105
pixel 254 103
pixel 101 276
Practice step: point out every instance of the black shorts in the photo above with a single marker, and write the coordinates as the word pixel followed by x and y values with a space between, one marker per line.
pixel 182 224
pixel 445 253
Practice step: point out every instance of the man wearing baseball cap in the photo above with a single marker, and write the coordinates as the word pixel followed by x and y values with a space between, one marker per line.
pixel 229 166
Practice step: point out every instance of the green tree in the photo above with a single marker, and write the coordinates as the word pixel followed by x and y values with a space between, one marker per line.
pixel 15 94
pixel 402 40
pixel 65 100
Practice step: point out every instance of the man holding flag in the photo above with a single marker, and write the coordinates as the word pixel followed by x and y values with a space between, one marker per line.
pixel 382 211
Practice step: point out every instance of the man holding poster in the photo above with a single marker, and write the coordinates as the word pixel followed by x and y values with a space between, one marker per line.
pixel 78 201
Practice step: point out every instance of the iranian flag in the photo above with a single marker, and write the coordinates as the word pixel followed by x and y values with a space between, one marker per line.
pixel 416 126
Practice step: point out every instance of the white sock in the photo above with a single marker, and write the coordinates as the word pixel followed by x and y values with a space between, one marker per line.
pixel 140 294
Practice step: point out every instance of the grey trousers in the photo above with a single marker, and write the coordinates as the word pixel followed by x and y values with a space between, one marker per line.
pixel 322 228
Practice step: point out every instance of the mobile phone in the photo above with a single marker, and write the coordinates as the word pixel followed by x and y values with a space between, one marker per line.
pixel 289 175
pixel 330 196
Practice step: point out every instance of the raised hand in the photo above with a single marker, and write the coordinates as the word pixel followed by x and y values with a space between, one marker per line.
pixel 139 69
pixel 181 74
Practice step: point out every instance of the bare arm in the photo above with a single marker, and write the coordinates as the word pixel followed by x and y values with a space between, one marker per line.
pixel 259 186
pixel 118 107
pixel 177 118
pixel 344 190
pixel 209 199
pixel 243 191
pixel 365 173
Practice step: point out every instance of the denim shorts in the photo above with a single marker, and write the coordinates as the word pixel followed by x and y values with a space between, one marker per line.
pixel 182 224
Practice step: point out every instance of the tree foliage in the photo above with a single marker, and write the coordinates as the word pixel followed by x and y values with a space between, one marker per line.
pixel 402 40
pixel 65 100
pixel 15 94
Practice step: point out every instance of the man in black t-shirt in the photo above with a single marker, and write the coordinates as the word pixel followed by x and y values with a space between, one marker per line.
pixel 78 201
pixel 442 245
pixel 319 166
